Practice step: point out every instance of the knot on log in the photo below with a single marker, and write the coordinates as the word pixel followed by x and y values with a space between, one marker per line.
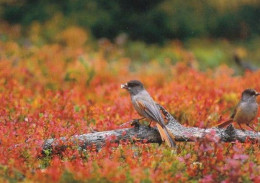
pixel 230 131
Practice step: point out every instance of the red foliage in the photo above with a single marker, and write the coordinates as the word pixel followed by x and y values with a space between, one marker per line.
pixel 59 91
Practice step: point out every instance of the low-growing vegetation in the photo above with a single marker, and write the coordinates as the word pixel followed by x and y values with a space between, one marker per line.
pixel 72 86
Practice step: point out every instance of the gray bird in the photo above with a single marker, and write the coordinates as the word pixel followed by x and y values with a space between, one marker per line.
pixel 246 110
pixel 147 108
pixel 244 64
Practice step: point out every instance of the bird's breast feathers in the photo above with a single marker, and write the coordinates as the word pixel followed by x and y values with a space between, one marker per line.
pixel 246 112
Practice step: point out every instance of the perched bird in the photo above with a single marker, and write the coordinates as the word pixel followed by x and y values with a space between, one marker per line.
pixel 244 65
pixel 147 108
pixel 246 110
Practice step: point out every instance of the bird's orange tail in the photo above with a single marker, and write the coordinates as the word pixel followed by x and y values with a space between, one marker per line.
pixel 225 123
pixel 166 135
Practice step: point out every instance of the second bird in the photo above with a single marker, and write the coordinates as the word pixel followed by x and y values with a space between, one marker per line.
pixel 246 110
pixel 147 108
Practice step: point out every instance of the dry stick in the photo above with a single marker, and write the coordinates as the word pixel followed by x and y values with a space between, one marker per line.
pixel 145 134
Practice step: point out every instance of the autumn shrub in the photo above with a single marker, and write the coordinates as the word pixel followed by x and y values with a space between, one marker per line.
pixel 66 88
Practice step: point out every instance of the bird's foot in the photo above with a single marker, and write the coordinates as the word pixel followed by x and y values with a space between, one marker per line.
pixel 149 125
pixel 241 127
pixel 135 123
pixel 252 128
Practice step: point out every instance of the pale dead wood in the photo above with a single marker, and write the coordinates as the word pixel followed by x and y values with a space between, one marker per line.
pixel 145 134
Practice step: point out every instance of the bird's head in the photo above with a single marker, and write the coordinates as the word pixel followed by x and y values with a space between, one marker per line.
pixel 249 94
pixel 133 86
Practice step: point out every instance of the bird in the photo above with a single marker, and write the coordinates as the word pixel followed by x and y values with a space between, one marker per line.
pixel 245 111
pixel 243 64
pixel 148 108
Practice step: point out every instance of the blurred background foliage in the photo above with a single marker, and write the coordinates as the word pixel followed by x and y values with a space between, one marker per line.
pixel 234 25
pixel 147 20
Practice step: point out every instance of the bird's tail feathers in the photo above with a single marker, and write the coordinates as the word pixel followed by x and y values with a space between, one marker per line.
pixel 166 136
pixel 225 123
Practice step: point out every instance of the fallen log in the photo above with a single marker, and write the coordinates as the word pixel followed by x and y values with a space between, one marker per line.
pixel 145 134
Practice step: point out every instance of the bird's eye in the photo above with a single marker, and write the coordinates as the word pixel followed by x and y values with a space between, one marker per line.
pixel 131 84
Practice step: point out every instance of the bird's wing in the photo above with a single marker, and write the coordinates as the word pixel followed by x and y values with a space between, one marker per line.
pixel 235 111
pixel 151 109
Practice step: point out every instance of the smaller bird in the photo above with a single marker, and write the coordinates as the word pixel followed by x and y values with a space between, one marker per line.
pixel 147 108
pixel 246 110
pixel 245 65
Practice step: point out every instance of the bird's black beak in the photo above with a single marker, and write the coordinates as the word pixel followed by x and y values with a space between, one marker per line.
pixel 124 86
pixel 257 94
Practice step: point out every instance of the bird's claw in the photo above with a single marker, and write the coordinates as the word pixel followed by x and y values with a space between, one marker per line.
pixel 149 125
pixel 252 128
pixel 135 123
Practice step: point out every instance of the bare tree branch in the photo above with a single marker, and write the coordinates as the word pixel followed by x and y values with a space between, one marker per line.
pixel 145 134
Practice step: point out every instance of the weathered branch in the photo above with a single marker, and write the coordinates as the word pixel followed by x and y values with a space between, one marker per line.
pixel 147 134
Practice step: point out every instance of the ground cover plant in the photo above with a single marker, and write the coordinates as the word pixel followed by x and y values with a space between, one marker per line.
pixel 72 86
